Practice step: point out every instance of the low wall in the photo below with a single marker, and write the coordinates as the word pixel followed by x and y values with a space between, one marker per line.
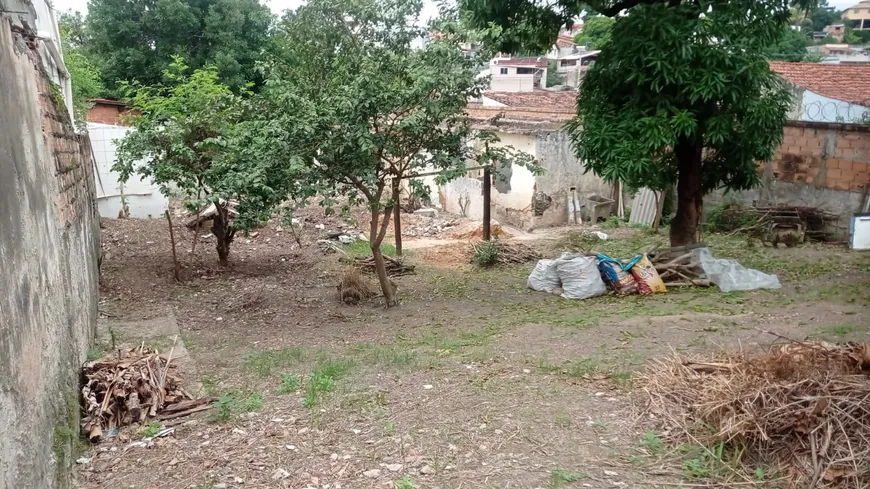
pixel 819 164
pixel 49 247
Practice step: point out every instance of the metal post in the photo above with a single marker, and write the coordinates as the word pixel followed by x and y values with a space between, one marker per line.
pixel 487 190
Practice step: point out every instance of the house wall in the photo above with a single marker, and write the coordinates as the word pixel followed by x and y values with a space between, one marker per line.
pixel 512 83
pixel 823 165
pixel 49 247
pixel 105 113
pixel 813 107
pixel 144 200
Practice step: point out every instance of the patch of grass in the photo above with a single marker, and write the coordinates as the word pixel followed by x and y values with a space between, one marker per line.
pixel 210 385
pixel 652 443
pixel 323 379
pixel 582 368
pixel 265 362
pixel 621 377
pixel 840 330
pixel 151 430
pixel 389 355
pixel 564 421
pixel 234 403
pixel 405 483
pixel 289 384
pixel 705 463
pixel 363 248
pixel 611 222
pixel 559 477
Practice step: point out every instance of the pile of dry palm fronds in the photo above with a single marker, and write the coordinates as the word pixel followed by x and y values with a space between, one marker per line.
pixel 507 252
pixel 395 267
pixel 130 386
pixel 803 407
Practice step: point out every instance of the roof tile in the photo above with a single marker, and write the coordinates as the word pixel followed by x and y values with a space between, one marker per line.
pixel 846 82
pixel 544 99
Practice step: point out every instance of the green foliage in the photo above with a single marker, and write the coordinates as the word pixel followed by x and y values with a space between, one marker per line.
pixel 81 65
pixel 829 39
pixel 822 15
pixel 612 222
pixel 264 363
pixel 363 248
pixel 405 483
pixel 553 77
pixel 486 253
pixel 323 379
pixel 229 405
pixel 289 383
pixel 596 30
pixel 136 40
pixel 559 477
pixel 792 46
pixel 151 430
pixel 726 218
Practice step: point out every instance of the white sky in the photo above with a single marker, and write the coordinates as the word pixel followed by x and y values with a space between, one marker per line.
pixel 430 8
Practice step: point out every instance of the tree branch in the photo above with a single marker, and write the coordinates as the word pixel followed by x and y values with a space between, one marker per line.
pixel 618 7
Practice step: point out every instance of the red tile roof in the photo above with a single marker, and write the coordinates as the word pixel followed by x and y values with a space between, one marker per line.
pixel 536 62
pixel 565 42
pixel 846 82
pixel 544 99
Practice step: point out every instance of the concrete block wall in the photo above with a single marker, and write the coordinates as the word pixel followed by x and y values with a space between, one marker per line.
pixel 49 247
pixel 833 156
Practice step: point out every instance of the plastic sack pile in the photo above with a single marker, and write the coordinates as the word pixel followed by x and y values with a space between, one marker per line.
pixel 576 276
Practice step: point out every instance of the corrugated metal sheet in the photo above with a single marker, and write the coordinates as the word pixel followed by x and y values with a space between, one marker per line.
pixel 643 211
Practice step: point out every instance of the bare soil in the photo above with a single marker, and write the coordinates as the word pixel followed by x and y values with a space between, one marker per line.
pixel 473 381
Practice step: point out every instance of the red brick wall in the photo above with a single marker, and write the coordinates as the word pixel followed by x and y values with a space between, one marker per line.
pixel 105 113
pixel 834 156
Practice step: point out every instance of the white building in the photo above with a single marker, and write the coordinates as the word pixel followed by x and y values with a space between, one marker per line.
pixel 827 92
pixel 518 74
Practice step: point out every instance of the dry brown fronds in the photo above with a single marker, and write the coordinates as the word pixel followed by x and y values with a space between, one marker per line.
pixel 395 267
pixel 803 407
pixel 353 287
pixel 508 252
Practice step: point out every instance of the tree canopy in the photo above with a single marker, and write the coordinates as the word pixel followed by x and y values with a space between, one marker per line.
pixel 83 70
pixel 791 46
pixel 681 94
pixel 135 40
pixel 596 31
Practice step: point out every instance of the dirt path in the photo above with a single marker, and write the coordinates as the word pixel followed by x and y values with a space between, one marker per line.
pixel 473 382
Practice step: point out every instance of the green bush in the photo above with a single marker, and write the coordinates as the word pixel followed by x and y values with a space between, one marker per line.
pixel 486 253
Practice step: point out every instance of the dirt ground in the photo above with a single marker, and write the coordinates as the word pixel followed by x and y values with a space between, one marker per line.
pixel 473 381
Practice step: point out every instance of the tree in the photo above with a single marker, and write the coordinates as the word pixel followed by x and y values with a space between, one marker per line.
pixel 822 15
pixel 792 46
pixel 136 39
pixel 365 109
pixel 553 77
pixel 83 70
pixel 682 94
pixel 596 31
pixel 182 140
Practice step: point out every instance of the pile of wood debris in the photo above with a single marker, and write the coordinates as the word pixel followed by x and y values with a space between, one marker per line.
pixel 800 407
pixel 131 386
pixel 676 269
pixel 395 267
pixel 508 253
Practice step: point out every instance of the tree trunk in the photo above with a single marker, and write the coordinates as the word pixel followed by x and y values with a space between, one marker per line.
pixel 376 237
pixel 397 210
pixel 690 194
pixel 223 231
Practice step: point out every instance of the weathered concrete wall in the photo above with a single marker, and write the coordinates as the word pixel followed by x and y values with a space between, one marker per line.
pixel 49 246
pixel 824 165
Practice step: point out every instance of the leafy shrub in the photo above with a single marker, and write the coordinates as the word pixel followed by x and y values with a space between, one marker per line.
pixel 486 253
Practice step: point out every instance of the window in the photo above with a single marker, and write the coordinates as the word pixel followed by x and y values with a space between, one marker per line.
pixel 526 71
pixel 568 62
pixel 502 71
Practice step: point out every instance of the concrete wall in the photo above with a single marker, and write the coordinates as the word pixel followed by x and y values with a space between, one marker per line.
pixel 813 107
pixel 143 197
pixel 520 198
pixel 818 165
pixel 49 247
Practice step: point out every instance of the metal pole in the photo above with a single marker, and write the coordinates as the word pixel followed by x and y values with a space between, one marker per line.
pixel 487 190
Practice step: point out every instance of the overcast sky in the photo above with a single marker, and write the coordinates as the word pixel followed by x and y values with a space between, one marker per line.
pixel 430 8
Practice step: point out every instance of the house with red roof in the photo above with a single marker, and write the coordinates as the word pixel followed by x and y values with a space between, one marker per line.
pixel 827 92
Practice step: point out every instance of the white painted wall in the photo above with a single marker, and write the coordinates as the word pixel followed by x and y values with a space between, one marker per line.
pixel 818 108
pixel 515 83
pixel 144 199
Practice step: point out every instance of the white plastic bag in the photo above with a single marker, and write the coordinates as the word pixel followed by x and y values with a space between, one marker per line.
pixel 730 275
pixel 544 277
pixel 580 277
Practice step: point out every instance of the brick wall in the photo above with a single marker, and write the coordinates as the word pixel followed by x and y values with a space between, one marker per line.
pixel 106 113
pixel 825 155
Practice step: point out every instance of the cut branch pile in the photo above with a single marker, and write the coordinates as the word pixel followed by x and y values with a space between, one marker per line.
pixel 803 408
pixel 676 270
pixel 755 220
pixel 508 253
pixel 130 386
pixel 395 268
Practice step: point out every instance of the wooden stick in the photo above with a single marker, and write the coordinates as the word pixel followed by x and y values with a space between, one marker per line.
pixel 169 359
pixel 172 239
pixel 179 414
